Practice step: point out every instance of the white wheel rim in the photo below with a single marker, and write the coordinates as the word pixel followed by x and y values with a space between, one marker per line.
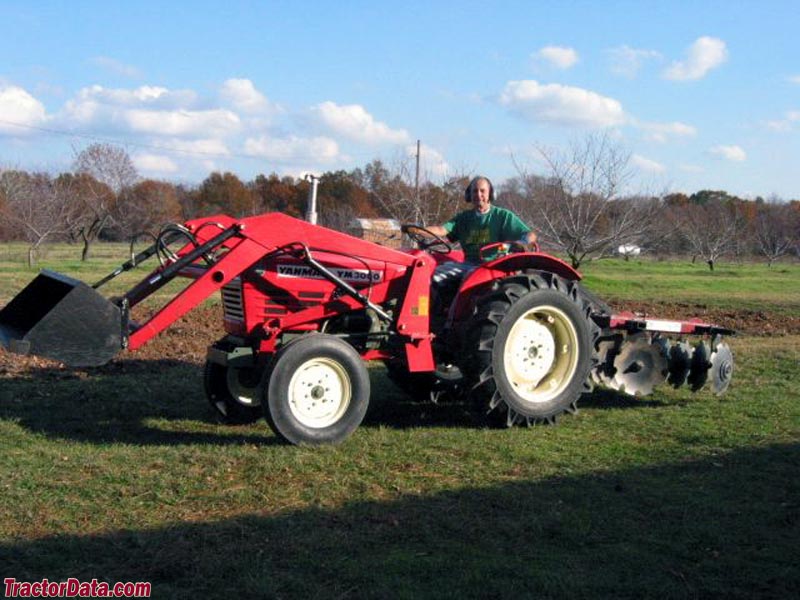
pixel 541 354
pixel 242 393
pixel 319 393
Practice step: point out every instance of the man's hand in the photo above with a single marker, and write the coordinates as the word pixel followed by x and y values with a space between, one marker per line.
pixel 518 246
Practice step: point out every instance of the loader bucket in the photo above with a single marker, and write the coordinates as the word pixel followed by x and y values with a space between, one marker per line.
pixel 62 318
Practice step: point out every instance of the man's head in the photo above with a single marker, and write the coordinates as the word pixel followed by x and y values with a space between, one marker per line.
pixel 481 193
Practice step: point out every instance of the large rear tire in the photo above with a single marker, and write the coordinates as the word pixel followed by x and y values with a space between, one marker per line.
pixel 317 391
pixel 531 347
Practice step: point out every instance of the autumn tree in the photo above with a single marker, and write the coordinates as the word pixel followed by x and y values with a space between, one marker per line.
pixel 145 207
pixel 100 173
pixel 340 199
pixel 225 193
pixel 281 194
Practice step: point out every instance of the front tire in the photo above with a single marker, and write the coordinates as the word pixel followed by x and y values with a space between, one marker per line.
pixel 317 391
pixel 531 348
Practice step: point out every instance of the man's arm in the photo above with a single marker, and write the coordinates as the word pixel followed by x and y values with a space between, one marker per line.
pixel 437 230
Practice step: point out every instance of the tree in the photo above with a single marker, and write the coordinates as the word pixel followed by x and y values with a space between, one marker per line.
pixel 225 193
pixel 35 206
pixel 340 199
pixel 775 229
pixel 281 194
pixel 576 206
pixel 101 173
pixel 711 229
pixel 107 164
pixel 145 207
pixel 92 204
pixel 393 193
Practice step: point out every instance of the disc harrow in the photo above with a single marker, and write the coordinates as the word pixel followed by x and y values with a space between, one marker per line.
pixel 634 355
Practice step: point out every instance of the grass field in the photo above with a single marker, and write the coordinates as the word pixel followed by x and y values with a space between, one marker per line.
pixel 120 474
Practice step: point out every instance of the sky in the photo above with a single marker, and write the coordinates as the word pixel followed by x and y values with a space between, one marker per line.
pixel 701 94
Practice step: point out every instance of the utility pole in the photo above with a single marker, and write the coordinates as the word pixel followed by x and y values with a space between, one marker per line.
pixel 311 210
pixel 416 188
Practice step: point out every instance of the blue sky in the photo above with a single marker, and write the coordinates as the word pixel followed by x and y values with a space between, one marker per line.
pixel 704 95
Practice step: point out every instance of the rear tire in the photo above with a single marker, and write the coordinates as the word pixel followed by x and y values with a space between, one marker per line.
pixel 231 392
pixel 317 391
pixel 530 349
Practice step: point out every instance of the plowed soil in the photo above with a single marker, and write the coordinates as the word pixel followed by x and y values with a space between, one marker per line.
pixel 187 339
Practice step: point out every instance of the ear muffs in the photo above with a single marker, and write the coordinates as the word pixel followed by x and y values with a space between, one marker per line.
pixel 468 191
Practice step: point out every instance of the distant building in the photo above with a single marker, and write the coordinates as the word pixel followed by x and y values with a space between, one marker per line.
pixel 385 232
pixel 629 250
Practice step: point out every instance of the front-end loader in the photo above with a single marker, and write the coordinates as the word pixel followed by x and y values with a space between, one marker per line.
pixel 517 337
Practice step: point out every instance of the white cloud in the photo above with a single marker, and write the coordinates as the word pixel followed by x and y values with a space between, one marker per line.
pixel 355 123
pixel 646 164
pixel 183 123
pixel 704 54
pixel 662 132
pixel 787 123
pixel 732 153
pixel 794 79
pixel 243 96
pixel 118 68
pixel 562 105
pixel 559 57
pixel 19 111
pixel 154 163
pixel 211 147
pixel 627 61
pixel 147 95
pixel 293 148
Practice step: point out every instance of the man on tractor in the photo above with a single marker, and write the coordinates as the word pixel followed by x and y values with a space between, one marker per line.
pixel 485 224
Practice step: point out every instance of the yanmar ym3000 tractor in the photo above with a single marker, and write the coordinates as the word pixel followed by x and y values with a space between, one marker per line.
pixel 518 337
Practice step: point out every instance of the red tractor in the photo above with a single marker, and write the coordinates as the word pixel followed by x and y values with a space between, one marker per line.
pixel 517 337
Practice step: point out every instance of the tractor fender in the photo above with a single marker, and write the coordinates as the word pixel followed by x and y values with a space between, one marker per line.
pixel 482 277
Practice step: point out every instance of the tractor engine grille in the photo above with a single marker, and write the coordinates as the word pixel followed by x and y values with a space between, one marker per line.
pixel 232 301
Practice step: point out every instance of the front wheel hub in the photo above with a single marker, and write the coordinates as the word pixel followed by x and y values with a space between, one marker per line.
pixel 319 393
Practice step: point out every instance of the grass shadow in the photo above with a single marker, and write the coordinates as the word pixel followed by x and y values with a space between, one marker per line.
pixel 119 402
pixel 723 527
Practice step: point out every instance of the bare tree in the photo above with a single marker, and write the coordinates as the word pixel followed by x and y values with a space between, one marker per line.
pixel 36 206
pixel 393 191
pixel 107 164
pixel 775 229
pixel 577 208
pixel 711 229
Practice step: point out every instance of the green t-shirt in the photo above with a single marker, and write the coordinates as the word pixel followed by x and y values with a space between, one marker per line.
pixel 473 230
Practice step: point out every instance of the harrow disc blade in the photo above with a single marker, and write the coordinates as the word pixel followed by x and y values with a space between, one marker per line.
pixel 698 371
pixel 640 366
pixel 603 371
pixel 680 361
pixel 721 368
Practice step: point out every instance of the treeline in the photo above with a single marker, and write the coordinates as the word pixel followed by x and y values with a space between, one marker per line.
pixel 576 206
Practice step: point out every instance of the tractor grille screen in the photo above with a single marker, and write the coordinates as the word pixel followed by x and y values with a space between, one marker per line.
pixel 232 302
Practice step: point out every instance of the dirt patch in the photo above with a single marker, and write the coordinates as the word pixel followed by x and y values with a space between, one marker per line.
pixel 744 322
pixel 188 338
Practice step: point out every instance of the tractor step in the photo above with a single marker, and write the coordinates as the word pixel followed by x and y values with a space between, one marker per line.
pixel 62 318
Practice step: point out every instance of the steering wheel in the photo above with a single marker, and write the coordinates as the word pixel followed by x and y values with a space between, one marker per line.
pixel 429 243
